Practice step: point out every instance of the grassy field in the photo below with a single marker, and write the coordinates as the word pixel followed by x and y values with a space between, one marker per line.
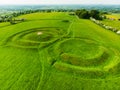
pixel 113 23
pixel 114 16
pixel 4 24
pixel 57 51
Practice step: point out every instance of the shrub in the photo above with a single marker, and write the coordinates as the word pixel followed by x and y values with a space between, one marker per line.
pixel 65 21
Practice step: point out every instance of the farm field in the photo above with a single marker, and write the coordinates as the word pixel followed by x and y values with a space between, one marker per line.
pixel 115 23
pixel 58 51
pixel 113 16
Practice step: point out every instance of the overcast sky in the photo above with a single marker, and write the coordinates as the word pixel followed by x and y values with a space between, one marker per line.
pixel 59 2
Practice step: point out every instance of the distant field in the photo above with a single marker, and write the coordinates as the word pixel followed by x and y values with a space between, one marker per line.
pixel 57 51
pixel 47 16
pixel 115 24
pixel 114 16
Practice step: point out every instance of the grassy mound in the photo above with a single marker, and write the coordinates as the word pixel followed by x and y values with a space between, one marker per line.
pixel 35 38
pixel 86 57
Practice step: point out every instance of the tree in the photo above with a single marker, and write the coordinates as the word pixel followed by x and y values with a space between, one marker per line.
pixel 95 14
pixel 87 14
pixel 82 14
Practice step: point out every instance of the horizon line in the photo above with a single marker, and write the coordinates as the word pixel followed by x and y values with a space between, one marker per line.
pixel 59 4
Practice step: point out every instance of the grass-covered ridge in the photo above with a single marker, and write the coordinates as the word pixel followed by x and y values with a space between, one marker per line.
pixel 47 53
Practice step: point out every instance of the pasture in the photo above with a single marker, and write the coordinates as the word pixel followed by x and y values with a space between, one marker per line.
pixel 114 23
pixel 112 20
pixel 113 16
pixel 58 51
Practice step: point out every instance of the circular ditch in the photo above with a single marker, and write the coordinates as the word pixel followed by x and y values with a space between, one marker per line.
pixel 34 38
pixel 86 58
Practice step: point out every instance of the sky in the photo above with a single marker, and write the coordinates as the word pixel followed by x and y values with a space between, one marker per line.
pixel 3 2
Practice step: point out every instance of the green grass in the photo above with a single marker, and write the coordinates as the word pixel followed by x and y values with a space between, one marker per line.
pixel 113 16
pixel 46 53
pixel 4 24
pixel 114 23
pixel 47 16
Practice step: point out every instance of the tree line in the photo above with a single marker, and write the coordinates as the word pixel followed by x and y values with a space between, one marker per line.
pixel 85 14
pixel 10 17
pixel 80 13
